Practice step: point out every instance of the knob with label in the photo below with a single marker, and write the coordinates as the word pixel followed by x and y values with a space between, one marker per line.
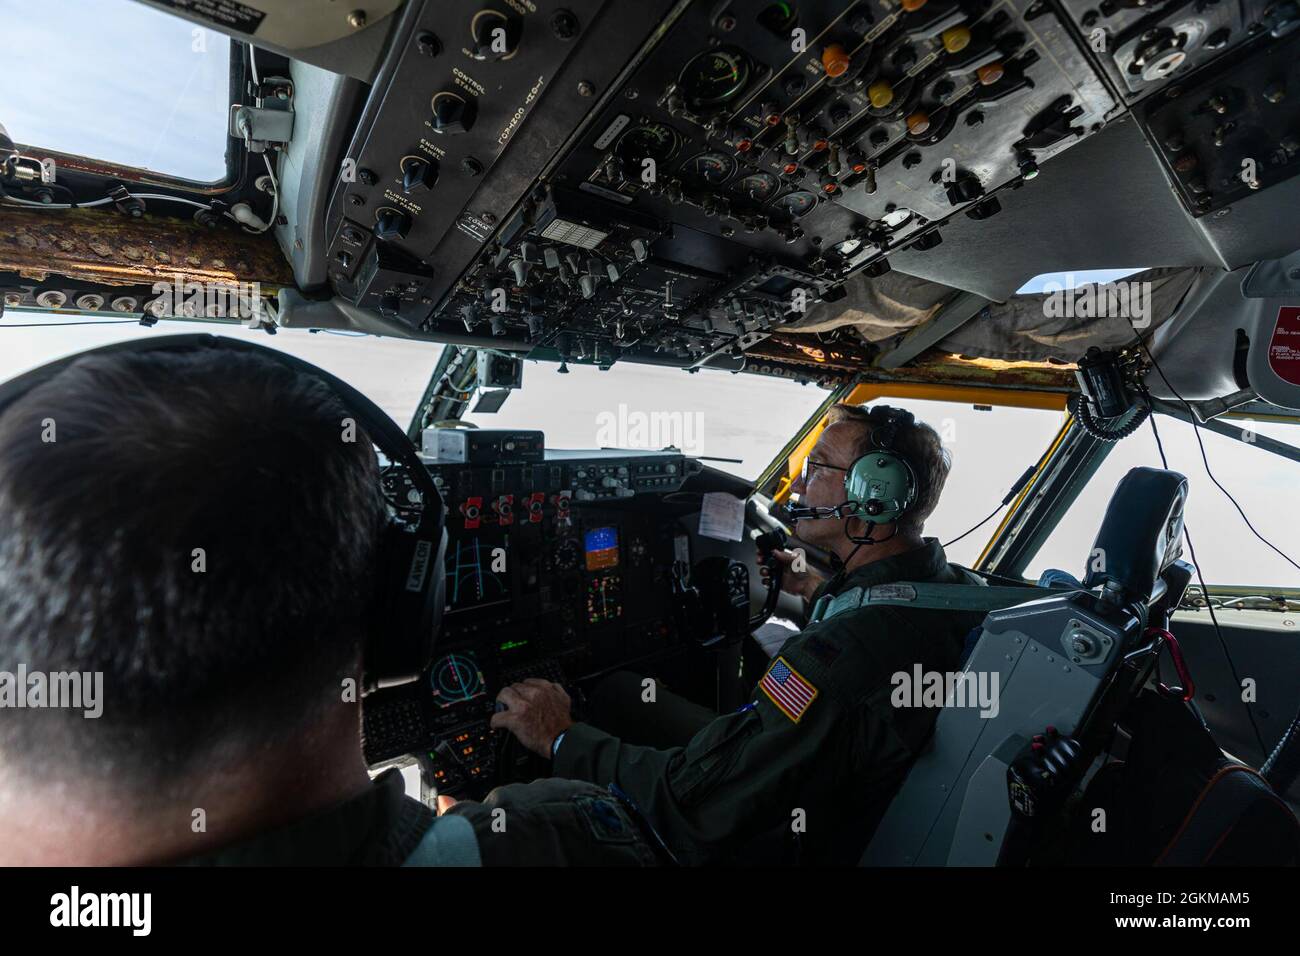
pixel 392 225
pixel 418 173
pixel 493 35
pixel 451 114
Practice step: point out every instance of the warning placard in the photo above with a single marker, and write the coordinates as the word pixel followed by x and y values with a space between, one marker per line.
pixel 1284 349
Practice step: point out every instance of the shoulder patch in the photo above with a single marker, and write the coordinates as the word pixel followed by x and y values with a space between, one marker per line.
pixel 825 651
pixel 787 688
pixel 891 592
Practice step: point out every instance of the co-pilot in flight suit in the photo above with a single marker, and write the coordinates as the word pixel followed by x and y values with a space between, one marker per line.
pixel 818 753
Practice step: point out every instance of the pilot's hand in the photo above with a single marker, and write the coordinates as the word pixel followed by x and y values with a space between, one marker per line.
pixel 537 711
pixel 802 584
pixel 445 803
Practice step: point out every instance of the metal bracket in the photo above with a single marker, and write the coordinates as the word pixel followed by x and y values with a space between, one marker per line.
pixel 260 127
pixel 126 203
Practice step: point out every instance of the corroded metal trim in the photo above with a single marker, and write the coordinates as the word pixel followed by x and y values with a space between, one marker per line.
pixel 94 246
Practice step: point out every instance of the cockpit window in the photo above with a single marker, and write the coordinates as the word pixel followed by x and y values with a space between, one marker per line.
pixel 710 412
pixel 1061 281
pixel 136 88
pixel 1228 553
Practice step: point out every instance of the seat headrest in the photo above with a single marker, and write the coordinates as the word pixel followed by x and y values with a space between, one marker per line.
pixel 1141 534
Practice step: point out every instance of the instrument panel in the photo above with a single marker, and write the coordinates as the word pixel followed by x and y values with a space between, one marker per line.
pixel 673 182
pixel 558 568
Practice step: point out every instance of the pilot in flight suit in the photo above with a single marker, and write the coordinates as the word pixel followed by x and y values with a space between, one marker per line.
pixel 820 749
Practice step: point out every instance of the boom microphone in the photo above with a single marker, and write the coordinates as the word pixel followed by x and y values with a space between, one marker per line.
pixel 798 512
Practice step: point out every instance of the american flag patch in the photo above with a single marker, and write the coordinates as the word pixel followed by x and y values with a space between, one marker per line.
pixel 787 689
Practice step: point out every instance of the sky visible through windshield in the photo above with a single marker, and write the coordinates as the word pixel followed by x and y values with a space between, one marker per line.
pixel 138 88
pixel 751 418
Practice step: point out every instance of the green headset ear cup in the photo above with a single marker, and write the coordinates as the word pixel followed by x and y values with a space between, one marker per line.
pixel 883 482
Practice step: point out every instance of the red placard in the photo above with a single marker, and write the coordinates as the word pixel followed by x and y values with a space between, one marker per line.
pixel 1284 349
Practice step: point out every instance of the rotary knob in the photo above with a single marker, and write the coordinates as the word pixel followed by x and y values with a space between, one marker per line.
pixel 392 225
pixel 493 35
pixel 418 174
pixel 451 114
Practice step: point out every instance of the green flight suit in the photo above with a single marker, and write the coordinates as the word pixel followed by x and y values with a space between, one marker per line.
pixel 819 755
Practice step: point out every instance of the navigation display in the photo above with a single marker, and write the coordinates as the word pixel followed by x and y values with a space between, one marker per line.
pixel 476 572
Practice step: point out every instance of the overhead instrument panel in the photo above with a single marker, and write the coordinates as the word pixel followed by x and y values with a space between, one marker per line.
pixel 686 185
pixel 422 186
pixel 761 154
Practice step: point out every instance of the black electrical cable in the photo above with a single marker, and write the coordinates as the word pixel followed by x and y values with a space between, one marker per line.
pixel 1007 499
pixel 1106 429
pixel 1205 591
pixel 992 515
pixel 1191 414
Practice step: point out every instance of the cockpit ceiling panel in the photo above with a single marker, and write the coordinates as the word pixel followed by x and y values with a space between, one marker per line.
pixel 1105 204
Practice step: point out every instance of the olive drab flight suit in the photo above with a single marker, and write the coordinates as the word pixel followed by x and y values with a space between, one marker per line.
pixel 544 823
pixel 819 751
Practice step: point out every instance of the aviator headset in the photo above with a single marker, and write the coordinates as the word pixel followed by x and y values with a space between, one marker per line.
pixel 410 584
pixel 880 486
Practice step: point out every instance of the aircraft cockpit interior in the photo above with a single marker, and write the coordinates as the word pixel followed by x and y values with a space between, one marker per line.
pixel 818 433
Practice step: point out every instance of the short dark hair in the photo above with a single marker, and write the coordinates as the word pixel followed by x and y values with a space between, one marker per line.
pixel 156 454
pixel 920 445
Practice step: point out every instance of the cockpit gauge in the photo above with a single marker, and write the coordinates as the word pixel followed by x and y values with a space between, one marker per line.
pixel 567 554
pixel 657 141
pixel 714 78
pixel 760 187
pixel 455 679
pixel 710 167
pixel 797 204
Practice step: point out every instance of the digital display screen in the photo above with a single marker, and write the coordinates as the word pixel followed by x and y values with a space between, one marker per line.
pixel 602 548
pixel 476 572
pixel 455 679
pixel 604 599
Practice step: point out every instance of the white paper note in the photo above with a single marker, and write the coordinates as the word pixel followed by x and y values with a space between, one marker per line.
pixel 722 516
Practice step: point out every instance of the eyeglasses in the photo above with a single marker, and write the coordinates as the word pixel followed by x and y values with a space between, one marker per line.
pixel 809 465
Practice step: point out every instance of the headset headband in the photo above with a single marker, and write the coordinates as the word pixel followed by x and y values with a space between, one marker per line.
pixel 412 585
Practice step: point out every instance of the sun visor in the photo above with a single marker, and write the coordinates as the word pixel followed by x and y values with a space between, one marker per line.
pixel 1057 325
